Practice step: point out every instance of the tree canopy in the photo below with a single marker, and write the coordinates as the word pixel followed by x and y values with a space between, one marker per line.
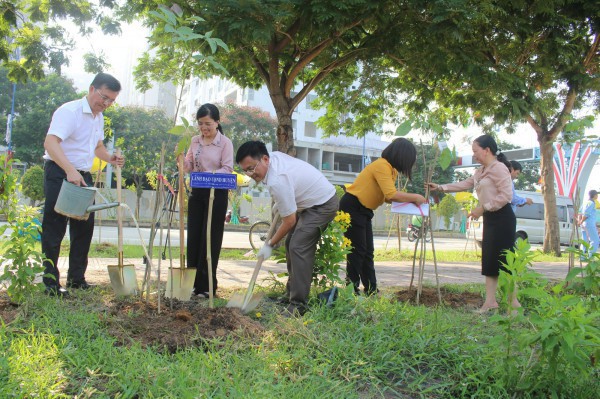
pixel 32 38
pixel 497 63
pixel 290 46
pixel 35 102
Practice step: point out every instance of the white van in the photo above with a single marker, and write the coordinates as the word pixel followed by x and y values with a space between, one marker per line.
pixel 530 219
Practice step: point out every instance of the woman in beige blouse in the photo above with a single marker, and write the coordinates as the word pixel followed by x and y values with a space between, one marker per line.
pixel 493 185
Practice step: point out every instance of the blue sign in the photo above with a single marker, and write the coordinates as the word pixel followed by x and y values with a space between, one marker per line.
pixel 226 181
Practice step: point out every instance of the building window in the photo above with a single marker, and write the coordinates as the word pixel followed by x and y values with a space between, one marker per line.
pixel 310 130
pixel 294 125
pixel 250 94
pixel 310 98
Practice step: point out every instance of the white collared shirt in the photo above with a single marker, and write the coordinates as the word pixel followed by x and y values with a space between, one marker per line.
pixel 78 128
pixel 295 185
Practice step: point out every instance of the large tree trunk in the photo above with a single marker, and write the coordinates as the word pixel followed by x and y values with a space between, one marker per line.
pixel 285 132
pixel 552 232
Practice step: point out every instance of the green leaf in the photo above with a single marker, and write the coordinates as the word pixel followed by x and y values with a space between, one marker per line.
pixel 404 128
pixel 573 273
pixel 445 159
pixel 178 130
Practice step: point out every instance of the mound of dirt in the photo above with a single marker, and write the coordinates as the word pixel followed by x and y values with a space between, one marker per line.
pixel 8 310
pixel 188 324
pixel 429 297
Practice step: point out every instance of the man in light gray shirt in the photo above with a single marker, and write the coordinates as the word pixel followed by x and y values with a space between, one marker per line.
pixel 306 202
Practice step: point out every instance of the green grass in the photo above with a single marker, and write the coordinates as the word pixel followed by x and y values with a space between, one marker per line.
pixel 360 348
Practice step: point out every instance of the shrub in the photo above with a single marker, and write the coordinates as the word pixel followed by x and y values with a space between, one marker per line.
pixel 33 184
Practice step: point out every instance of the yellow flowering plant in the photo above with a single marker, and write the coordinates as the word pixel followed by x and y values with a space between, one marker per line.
pixel 331 251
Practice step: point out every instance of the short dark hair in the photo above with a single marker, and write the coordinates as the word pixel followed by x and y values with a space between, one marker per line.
pixel 211 111
pixel 516 165
pixel 592 194
pixel 104 79
pixel 402 155
pixel 253 149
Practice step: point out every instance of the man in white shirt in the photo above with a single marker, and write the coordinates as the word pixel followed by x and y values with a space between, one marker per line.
pixel 74 138
pixel 306 202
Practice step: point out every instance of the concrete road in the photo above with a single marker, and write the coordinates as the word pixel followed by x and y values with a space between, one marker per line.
pixel 240 239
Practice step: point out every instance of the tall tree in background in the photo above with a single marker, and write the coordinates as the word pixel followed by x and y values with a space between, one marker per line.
pixel 243 123
pixel 35 103
pixel 291 46
pixel 140 133
pixel 32 30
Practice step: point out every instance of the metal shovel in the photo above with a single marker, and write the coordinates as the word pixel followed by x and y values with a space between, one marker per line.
pixel 122 277
pixel 250 301
pixel 180 281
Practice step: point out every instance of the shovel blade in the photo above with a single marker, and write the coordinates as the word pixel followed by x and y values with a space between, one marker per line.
pixel 236 300
pixel 123 279
pixel 180 283
pixel 252 302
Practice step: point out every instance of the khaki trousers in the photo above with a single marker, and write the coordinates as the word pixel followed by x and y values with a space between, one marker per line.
pixel 301 246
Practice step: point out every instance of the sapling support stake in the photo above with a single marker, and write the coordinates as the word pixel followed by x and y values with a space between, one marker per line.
pixel 426 225
pixel 155 222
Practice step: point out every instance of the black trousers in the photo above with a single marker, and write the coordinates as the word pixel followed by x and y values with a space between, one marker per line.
pixel 198 202
pixel 54 227
pixel 360 266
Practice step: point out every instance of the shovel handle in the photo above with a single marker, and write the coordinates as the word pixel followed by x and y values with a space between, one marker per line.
pixel 181 210
pixel 259 262
pixel 211 199
pixel 119 210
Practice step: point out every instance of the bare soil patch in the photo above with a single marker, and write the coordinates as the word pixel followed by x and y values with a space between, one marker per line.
pixel 429 297
pixel 188 324
pixel 8 310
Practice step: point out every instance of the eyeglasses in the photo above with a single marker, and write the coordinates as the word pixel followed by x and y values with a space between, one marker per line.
pixel 250 171
pixel 105 99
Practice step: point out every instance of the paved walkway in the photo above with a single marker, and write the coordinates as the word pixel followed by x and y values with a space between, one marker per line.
pixel 234 274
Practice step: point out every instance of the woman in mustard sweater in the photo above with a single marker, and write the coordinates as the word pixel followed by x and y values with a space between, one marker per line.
pixel 373 186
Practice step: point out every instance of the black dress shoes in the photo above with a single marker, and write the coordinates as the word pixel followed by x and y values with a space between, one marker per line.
pixel 82 285
pixel 53 290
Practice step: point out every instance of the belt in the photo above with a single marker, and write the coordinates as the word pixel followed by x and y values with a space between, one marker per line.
pixel 81 172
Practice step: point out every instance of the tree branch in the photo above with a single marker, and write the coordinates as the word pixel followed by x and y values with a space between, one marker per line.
pixel 536 127
pixel 288 37
pixel 565 113
pixel 526 54
pixel 408 70
pixel 259 66
pixel 316 50
pixel 592 52
pixel 323 74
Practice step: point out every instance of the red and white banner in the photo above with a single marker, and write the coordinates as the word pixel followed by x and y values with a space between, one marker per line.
pixel 569 163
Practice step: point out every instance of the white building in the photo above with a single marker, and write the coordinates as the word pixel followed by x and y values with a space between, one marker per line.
pixel 340 158
pixel 162 96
